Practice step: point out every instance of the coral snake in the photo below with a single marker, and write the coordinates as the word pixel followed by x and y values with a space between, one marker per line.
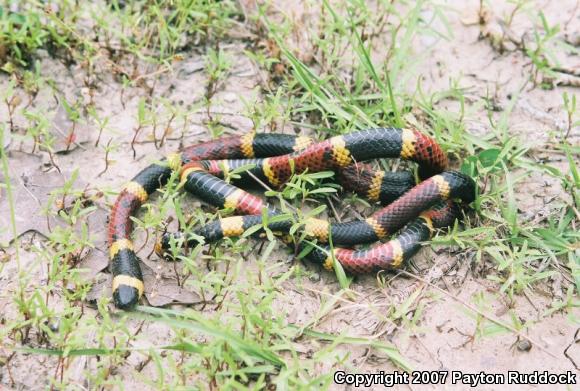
pixel 417 209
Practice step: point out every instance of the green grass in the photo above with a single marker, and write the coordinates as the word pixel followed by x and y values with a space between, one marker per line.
pixel 357 69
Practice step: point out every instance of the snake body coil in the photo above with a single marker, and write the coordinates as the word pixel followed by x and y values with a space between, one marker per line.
pixel 275 157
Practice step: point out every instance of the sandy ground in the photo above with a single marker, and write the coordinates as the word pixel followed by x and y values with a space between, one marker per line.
pixel 444 337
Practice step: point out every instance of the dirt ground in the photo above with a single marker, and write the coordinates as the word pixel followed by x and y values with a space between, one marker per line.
pixel 444 338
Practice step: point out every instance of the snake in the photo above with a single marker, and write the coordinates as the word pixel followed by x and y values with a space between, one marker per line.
pixel 413 204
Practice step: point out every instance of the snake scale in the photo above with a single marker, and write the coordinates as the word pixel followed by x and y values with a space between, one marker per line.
pixel 412 210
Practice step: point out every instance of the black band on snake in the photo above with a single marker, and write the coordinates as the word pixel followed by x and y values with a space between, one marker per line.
pixel 418 210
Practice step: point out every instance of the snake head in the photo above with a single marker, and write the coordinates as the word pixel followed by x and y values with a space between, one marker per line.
pixel 128 280
pixel 125 297
pixel 163 245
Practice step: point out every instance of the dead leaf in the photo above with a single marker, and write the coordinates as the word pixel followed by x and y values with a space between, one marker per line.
pixel 31 194
pixel 101 287
pixel 161 290
pixel 93 263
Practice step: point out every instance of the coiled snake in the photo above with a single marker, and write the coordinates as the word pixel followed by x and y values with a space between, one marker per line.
pixel 418 208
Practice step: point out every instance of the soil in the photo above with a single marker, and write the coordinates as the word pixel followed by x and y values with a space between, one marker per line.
pixel 444 338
